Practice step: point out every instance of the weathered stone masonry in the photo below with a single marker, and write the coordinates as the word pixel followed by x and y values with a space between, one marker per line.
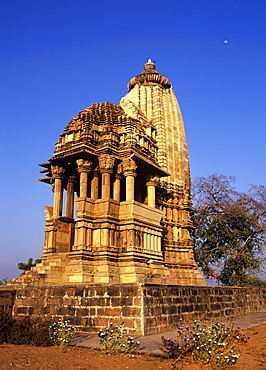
pixel 144 308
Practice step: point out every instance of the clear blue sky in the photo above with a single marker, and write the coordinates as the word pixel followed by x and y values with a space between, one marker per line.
pixel 60 56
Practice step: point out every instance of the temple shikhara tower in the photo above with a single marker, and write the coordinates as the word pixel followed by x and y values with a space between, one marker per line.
pixel 121 183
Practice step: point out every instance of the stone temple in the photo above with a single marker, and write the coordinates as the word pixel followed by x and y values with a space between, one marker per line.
pixel 122 194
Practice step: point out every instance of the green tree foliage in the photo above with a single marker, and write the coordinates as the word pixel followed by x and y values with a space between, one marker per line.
pixel 254 282
pixel 230 229
pixel 27 266
pixel 4 281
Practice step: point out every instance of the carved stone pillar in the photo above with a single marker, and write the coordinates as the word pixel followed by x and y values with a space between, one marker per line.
pixel 129 167
pixel 106 164
pixel 58 175
pixel 83 167
pixel 95 184
pixel 151 191
pixel 70 196
pixel 118 178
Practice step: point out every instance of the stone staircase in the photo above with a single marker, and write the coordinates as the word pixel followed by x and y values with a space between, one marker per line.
pixel 45 272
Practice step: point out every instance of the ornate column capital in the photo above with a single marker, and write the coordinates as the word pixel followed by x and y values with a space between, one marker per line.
pixel 130 173
pixel 153 182
pixel 83 165
pixel 72 179
pixel 58 172
pixel 58 175
pixel 106 163
pixel 129 167
pixel 119 172
pixel 97 172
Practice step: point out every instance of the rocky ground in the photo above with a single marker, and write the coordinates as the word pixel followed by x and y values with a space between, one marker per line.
pixel 253 357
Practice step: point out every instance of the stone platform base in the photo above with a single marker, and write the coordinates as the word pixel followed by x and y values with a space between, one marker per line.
pixel 144 308
pixel 110 266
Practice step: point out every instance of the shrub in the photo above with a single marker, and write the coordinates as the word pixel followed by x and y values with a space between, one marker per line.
pixel 28 330
pixel 211 343
pixel 34 331
pixel 61 333
pixel 117 341
pixel 6 323
pixel 31 331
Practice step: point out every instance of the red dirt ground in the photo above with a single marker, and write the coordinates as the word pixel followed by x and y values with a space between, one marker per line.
pixel 253 357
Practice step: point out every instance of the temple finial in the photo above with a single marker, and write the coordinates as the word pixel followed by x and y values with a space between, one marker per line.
pixel 149 66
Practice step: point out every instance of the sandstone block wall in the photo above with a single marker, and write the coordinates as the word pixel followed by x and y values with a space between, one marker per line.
pixel 164 306
pixel 91 307
pixel 144 308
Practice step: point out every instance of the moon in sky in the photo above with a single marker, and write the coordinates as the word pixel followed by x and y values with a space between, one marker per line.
pixel 226 41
